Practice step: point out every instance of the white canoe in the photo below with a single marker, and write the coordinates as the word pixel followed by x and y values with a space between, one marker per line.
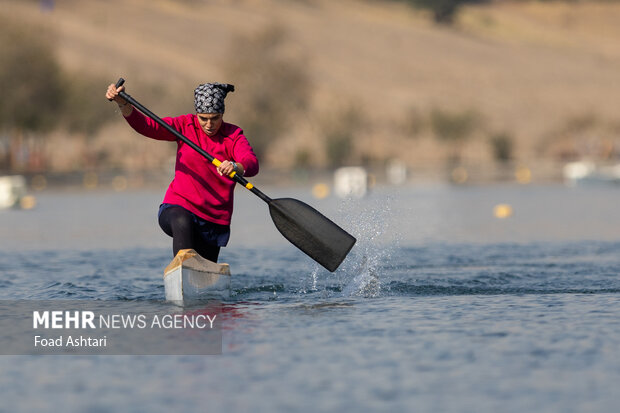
pixel 190 277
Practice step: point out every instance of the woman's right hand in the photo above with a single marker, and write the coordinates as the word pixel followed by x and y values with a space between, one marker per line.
pixel 113 94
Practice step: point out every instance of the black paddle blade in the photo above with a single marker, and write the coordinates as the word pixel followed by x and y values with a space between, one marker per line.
pixel 311 232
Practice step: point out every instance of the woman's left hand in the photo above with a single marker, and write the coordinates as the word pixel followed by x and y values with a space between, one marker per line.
pixel 228 167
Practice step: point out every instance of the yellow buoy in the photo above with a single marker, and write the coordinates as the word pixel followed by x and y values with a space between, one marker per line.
pixel 502 211
pixel 320 191
pixel 459 175
pixel 90 180
pixel 119 183
pixel 28 202
pixel 523 174
pixel 38 183
pixel 372 181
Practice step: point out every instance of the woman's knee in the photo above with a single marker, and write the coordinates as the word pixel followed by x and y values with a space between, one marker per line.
pixel 176 220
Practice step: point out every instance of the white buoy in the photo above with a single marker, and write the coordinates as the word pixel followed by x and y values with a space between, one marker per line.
pixel 351 181
pixel 12 190
pixel 577 171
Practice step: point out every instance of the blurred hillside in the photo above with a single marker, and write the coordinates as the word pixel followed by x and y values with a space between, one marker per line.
pixel 358 82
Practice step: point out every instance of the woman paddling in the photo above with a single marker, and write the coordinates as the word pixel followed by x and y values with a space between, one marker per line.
pixel 198 204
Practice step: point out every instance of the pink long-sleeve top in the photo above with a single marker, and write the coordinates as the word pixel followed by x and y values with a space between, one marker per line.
pixel 197 186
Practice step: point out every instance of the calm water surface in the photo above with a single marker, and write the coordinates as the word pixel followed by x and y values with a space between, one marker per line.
pixel 440 307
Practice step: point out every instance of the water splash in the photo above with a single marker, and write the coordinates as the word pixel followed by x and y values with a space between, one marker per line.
pixel 366 283
pixel 371 221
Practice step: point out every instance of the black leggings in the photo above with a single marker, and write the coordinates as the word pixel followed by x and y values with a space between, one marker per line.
pixel 179 223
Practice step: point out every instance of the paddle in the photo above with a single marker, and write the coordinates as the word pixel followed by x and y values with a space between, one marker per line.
pixel 305 227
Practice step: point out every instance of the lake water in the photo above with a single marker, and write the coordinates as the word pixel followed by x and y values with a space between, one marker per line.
pixel 440 307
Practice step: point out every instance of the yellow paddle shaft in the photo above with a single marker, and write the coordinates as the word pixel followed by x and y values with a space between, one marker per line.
pixel 217 163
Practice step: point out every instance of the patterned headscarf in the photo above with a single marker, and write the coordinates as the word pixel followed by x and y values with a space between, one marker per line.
pixel 209 97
